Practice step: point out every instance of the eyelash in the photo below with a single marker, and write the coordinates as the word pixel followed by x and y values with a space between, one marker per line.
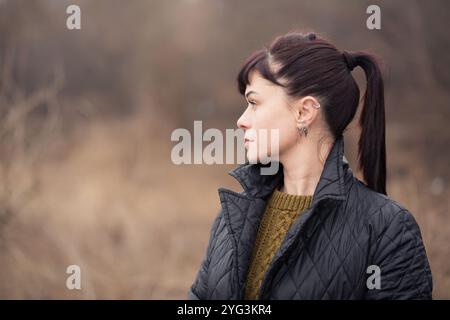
pixel 252 103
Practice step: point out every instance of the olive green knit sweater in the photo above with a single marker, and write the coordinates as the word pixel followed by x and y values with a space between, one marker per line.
pixel 281 211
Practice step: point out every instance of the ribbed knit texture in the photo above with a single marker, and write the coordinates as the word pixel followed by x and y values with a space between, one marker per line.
pixel 281 211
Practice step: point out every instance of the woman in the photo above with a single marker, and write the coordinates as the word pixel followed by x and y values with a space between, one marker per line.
pixel 312 230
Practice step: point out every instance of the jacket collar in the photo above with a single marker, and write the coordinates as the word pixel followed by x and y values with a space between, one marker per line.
pixel 331 183
pixel 241 208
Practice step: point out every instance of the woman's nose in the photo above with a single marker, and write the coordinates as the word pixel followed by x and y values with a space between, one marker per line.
pixel 243 121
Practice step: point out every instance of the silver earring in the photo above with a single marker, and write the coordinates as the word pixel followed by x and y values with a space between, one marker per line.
pixel 303 129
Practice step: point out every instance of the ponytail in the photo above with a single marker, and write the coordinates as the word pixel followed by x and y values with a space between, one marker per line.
pixel 310 65
pixel 372 143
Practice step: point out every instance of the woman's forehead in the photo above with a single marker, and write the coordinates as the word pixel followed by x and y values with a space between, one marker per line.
pixel 258 84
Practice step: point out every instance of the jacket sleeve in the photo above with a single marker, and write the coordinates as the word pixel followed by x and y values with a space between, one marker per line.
pixel 402 260
pixel 199 288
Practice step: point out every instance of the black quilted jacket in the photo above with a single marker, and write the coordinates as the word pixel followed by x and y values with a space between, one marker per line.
pixel 349 238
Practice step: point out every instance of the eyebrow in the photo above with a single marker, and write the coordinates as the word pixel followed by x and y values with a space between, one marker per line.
pixel 249 93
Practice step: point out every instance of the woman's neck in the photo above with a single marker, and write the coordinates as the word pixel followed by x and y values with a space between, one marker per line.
pixel 303 165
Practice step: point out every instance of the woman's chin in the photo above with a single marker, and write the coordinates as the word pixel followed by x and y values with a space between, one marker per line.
pixel 258 159
pixel 253 156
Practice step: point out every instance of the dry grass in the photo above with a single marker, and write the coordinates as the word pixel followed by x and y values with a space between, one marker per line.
pixel 109 200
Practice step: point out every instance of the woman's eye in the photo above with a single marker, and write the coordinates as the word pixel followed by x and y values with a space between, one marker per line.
pixel 252 103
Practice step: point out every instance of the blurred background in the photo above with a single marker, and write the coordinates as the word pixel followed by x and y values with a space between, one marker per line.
pixel 86 117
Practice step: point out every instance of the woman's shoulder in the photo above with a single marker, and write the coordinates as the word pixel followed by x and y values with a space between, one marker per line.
pixel 376 207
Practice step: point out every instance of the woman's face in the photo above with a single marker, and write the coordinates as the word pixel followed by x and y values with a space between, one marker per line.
pixel 268 108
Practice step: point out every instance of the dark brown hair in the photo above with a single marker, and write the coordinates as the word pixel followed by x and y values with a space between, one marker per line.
pixel 313 66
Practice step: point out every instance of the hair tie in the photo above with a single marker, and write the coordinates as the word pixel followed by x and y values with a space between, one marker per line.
pixel 350 60
pixel 311 36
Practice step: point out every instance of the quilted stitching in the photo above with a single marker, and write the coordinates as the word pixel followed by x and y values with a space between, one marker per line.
pixel 326 251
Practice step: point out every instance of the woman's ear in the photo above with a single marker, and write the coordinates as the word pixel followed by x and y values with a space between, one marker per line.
pixel 307 110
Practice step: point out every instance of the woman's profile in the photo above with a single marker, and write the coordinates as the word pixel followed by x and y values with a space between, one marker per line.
pixel 312 230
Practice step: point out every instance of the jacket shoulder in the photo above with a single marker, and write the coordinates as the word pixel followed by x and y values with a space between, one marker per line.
pixel 376 206
pixel 397 247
